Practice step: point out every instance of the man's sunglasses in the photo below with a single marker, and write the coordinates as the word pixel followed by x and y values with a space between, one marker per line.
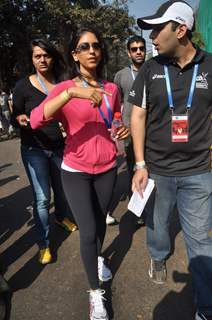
pixel 135 49
pixel 85 46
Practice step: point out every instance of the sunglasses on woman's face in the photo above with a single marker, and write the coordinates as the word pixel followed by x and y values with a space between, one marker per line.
pixel 85 46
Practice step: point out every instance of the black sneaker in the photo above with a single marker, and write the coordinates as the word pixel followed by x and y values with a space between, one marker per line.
pixel 157 271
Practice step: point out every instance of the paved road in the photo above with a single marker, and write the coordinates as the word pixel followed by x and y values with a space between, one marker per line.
pixel 59 290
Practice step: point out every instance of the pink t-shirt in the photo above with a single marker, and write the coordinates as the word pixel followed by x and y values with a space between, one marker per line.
pixel 89 147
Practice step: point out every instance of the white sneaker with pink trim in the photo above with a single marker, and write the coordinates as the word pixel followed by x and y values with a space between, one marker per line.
pixel 97 308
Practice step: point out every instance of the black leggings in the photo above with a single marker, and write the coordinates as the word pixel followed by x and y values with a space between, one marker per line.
pixel 89 196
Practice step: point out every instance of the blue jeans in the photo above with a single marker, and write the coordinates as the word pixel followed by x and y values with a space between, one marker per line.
pixel 43 170
pixel 193 196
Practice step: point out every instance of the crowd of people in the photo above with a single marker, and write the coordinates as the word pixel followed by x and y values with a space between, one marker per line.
pixel 65 117
pixel 5 114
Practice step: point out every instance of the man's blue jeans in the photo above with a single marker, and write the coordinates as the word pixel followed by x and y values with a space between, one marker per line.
pixel 43 170
pixel 193 196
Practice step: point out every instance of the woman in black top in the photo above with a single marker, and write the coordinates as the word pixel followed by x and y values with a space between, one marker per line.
pixel 42 149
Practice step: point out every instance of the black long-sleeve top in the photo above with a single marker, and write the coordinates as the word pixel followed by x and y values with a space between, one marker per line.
pixel 25 98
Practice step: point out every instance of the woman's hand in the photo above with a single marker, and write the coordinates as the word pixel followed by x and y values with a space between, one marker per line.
pixel 123 133
pixel 93 94
pixel 23 120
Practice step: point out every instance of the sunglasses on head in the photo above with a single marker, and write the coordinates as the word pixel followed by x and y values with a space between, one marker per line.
pixel 85 46
pixel 135 49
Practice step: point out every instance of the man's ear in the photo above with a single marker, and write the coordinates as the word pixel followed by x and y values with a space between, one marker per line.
pixel 128 52
pixel 181 31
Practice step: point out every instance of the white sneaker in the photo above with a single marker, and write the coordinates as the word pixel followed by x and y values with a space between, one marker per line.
pixel 10 130
pixel 110 219
pixel 104 272
pixel 97 308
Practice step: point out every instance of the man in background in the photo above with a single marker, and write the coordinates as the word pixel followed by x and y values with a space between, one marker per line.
pixel 124 78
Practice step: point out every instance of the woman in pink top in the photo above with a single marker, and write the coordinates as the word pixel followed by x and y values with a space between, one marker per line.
pixel 85 105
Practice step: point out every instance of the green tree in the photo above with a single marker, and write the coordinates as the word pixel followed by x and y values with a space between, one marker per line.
pixel 198 40
pixel 22 20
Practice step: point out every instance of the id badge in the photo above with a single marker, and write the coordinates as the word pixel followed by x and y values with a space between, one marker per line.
pixel 180 128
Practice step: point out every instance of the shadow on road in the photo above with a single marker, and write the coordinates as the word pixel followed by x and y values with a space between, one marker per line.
pixel 177 305
pixel 4 166
pixel 118 250
pixel 7 180
pixel 14 215
pixel 5 299
pixel 25 276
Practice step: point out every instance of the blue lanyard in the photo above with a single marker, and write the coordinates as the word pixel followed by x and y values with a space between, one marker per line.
pixel 107 123
pixel 42 84
pixel 191 92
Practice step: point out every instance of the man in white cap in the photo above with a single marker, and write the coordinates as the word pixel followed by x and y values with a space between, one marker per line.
pixel 171 91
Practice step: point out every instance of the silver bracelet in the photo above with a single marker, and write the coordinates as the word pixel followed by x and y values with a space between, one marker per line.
pixel 140 165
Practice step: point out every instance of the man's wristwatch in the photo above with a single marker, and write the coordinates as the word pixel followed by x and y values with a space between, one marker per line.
pixel 140 165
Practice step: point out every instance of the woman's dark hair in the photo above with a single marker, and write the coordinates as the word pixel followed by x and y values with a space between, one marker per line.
pixel 59 66
pixel 74 69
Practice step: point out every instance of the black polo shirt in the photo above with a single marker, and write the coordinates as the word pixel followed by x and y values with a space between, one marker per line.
pixel 149 90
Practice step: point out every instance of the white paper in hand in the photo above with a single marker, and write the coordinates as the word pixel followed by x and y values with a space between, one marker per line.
pixel 137 204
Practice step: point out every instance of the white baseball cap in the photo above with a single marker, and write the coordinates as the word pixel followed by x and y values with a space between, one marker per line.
pixel 178 11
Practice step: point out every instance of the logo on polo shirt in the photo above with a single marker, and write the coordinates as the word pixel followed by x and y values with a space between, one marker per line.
pixel 158 76
pixel 201 81
pixel 132 93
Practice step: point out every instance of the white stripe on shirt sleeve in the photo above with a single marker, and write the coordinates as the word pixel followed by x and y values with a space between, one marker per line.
pixel 143 105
